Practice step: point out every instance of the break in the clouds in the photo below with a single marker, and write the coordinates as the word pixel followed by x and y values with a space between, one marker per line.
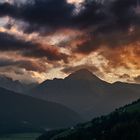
pixel 59 33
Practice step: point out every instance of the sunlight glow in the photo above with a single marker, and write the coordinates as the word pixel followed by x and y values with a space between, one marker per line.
pixel 75 1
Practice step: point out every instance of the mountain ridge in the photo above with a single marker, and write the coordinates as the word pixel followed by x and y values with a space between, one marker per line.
pixel 82 74
pixel 90 98
pixel 15 85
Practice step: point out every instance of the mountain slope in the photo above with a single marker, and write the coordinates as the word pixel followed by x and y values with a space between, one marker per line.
pixel 122 124
pixel 87 94
pixel 23 113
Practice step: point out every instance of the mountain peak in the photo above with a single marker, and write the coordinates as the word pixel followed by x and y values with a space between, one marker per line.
pixel 82 74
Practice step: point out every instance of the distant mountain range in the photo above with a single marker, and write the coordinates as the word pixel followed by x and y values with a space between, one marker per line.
pixel 21 113
pixel 86 93
pixel 15 85
pixel 60 102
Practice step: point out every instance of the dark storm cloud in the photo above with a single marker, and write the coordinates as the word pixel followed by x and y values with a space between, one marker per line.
pixel 31 65
pixel 111 40
pixel 11 43
pixel 6 62
pixel 49 15
pixel 86 47
pixel 93 13
pixel 56 14
pixel 108 16
pixel 29 49
pixel 6 9
pixel 123 11
pixel 41 15
pixel 26 64
pixel 106 23
pixel 52 54
pixel 117 26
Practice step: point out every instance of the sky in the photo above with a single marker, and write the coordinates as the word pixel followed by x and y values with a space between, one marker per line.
pixel 46 39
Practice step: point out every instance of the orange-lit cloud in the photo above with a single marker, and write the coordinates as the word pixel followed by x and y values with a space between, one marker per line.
pixel 75 1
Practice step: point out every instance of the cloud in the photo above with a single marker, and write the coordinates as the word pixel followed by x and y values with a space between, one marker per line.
pixel 110 28
pixel 40 15
pixel 19 74
pixel 137 79
pixel 92 13
pixel 125 76
pixel 11 43
pixel 30 49
pixel 71 69
pixel 45 16
pixel 126 57
pixel 6 62
pixel 28 65
pixel 51 53
pixel 6 9
pixel 117 39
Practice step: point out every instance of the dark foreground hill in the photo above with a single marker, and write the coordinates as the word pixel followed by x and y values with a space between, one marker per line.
pixel 87 94
pixel 20 113
pixel 122 124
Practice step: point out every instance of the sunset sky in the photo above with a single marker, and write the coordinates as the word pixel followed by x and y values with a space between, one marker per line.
pixel 46 39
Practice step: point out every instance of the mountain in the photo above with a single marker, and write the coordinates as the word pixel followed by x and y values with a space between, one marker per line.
pixel 20 113
pixel 83 74
pixel 15 85
pixel 86 93
pixel 122 124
